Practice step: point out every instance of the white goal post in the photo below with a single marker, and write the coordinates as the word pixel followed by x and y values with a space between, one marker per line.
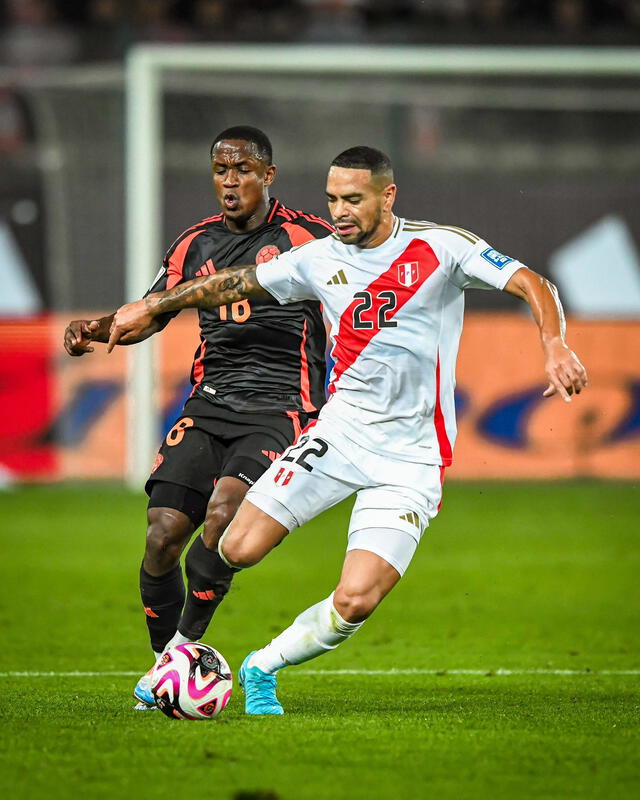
pixel 144 137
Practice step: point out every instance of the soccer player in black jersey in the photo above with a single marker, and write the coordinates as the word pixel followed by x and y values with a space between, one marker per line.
pixel 258 376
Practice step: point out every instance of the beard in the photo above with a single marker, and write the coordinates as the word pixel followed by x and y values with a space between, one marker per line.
pixel 364 235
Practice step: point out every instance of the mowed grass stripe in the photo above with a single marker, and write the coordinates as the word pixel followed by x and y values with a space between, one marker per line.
pixel 489 673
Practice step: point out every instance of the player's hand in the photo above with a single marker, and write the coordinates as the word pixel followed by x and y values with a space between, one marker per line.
pixel 130 324
pixel 79 335
pixel 566 374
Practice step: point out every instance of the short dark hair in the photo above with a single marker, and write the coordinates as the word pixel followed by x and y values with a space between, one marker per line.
pixel 247 134
pixel 363 157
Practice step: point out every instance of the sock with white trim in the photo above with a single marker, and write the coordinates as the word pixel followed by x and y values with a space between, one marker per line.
pixel 314 632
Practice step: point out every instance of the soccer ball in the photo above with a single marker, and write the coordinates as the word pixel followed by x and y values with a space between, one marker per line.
pixel 191 681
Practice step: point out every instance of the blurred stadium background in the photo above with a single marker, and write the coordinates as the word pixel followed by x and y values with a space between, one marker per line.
pixel 544 165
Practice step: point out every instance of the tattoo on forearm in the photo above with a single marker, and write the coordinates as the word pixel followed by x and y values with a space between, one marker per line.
pixel 224 287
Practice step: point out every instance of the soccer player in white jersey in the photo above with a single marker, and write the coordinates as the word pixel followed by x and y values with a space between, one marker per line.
pixel 393 292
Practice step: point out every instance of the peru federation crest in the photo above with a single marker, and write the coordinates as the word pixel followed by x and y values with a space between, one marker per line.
pixel 408 273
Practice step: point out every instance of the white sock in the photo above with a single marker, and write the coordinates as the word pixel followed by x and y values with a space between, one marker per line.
pixel 177 638
pixel 314 632
pixel 157 656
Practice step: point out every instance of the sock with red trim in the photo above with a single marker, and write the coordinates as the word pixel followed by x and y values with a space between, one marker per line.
pixel 209 579
pixel 163 599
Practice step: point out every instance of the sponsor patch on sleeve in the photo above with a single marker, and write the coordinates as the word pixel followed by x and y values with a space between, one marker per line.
pixel 495 258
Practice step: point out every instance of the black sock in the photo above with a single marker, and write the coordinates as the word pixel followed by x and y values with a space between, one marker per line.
pixel 209 580
pixel 163 599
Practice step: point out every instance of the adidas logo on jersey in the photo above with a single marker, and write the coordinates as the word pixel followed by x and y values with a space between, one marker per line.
pixel 411 517
pixel 339 277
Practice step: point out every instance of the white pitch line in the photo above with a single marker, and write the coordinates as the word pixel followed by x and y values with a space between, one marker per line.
pixel 331 672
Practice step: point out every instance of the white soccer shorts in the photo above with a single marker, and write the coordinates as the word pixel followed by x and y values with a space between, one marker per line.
pixel 322 469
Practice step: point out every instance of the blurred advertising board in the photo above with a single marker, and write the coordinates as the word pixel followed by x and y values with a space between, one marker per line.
pixel 64 418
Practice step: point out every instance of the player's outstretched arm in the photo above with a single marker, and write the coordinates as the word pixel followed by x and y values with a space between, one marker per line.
pixel 227 286
pixel 563 368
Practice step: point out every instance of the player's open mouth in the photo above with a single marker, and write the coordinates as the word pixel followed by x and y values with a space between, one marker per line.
pixel 231 201
pixel 345 228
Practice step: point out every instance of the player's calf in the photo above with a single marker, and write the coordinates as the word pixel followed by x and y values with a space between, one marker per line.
pixel 209 579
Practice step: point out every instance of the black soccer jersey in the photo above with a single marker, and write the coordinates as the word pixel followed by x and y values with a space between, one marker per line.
pixel 254 355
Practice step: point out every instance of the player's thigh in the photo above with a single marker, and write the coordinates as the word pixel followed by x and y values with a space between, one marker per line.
pixel 246 458
pixel 389 520
pixel 308 478
pixel 189 456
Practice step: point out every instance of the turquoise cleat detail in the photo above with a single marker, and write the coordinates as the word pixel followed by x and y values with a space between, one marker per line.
pixel 259 689
pixel 142 693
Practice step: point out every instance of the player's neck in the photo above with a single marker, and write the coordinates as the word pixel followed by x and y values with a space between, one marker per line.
pixel 382 233
pixel 250 223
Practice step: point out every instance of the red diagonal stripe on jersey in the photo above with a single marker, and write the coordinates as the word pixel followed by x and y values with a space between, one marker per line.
pixel 438 420
pixel 176 260
pixel 350 341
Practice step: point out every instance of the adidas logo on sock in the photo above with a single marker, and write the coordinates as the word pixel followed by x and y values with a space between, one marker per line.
pixel 209 594
pixel 339 277
pixel 411 517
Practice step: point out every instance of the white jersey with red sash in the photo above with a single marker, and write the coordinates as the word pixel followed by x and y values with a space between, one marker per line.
pixel 395 313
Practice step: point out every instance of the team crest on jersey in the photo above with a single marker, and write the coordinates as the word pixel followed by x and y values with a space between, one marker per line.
pixel 408 273
pixel 268 252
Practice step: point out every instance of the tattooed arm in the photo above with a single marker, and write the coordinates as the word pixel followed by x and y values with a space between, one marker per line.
pixel 227 286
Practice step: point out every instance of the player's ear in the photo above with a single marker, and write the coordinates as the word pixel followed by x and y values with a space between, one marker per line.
pixel 270 174
pixel 389 196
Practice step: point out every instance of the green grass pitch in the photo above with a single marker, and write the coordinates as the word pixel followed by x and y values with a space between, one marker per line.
pixel 536 579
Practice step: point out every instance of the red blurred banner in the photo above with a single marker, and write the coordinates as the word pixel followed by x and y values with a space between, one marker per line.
pixel 63 417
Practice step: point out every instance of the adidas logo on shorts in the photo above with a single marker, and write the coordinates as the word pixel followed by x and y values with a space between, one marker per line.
pixel 411 517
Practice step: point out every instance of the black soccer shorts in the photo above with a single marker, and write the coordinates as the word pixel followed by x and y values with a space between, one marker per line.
pixel 199 450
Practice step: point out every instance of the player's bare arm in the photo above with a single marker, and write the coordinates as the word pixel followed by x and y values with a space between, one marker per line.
pixel 564 371
pixel 228 286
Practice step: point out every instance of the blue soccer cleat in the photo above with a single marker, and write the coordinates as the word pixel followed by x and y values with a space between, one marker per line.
pixel 259 689
pixel 143 694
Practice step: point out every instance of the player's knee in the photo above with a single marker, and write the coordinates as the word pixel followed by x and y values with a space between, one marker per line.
pixel 238 550
pixel 166 538
pixel 355 604
pixel 218 519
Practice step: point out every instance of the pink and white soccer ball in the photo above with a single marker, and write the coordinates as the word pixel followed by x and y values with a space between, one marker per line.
pixel 191 681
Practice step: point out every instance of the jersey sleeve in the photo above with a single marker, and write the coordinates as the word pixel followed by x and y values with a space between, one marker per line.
pixel 177 267
pixel 474 264
pixel 286 276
